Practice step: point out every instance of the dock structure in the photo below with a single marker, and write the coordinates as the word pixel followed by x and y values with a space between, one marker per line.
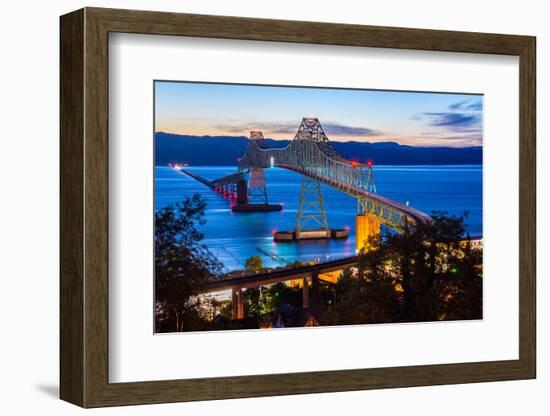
pixel 321 234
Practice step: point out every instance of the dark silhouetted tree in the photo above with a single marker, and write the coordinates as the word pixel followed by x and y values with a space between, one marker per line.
pixel 182 263
pixel 368 297
pixel 428 272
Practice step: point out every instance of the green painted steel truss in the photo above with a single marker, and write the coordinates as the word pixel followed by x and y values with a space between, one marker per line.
pixel 311 209
pixel 311 155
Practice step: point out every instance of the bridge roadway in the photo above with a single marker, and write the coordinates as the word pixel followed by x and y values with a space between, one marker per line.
pixel 198 178
pixel 310 273
pixel 385 206
pixel 311 154
pixel 232 178
pixel 413 214
pixel 277 276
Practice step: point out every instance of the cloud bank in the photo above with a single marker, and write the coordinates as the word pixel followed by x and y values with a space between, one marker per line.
pixel 461 123
pixel 331 129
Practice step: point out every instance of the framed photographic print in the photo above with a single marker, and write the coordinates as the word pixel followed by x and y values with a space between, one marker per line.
pixel 256 207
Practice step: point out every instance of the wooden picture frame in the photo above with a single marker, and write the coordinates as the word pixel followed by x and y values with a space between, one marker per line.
pixel 84 207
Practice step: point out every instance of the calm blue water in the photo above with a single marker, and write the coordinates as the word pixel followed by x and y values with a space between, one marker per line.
pixel 233 237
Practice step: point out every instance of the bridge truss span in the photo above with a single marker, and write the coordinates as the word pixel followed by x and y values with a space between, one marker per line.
pixel 311 155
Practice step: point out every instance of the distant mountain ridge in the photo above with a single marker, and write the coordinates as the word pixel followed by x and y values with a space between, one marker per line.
pixel 225 150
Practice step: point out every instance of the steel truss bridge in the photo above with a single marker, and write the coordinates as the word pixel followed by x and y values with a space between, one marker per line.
pixel 311 155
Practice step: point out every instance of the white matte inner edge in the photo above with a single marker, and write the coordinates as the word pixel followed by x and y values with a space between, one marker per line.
pixel 135 354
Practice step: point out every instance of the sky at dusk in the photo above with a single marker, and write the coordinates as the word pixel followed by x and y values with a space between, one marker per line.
pixel 412 118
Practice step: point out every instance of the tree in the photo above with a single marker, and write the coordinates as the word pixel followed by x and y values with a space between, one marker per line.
pixel 370 296
pixel 258 302
pixel 182 263
pixel 254 264
pixel 428 272
pixel 437 269
pixel 281 293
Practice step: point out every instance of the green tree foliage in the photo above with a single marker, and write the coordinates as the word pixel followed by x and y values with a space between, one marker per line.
pixel 429 272
pixel 182 263
pixel 283 294
pixel 258 302
pixel 362 300
pixel 254 264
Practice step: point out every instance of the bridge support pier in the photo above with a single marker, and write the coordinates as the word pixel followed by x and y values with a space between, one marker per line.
pixel 312 214
pixel 257 191
pixel 314 295
pixel 310 294
pixel 305 292
pixel 237 304
pixel 242 192
pixel 366 226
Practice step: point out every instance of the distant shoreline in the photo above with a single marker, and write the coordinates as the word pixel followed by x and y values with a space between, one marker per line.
pixel 225 150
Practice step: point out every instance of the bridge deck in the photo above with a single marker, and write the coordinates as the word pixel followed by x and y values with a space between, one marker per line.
pixel 231 178
pixel 310 153
pixel 278 276
pixel 416 215
pixel 351 189
pixel 198 178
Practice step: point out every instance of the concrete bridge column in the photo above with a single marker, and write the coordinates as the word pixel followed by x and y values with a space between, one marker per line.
pixel 237 305
pixel 366 226
pixel 314 295
pixel 242 192
pixel 305 292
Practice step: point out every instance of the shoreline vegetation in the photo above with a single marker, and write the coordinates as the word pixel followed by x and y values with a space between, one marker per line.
pixel 429 273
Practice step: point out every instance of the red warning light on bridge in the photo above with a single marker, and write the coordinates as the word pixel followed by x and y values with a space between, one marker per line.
pixel 369 163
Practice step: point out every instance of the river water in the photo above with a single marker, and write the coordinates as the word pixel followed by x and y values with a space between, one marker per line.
pixel 234 237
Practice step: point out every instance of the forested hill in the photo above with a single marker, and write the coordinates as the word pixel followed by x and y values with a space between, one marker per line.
pixel 224 151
